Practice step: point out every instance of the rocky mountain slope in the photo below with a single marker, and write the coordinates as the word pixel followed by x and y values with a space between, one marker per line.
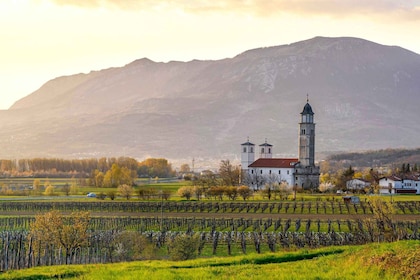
pixel 364 95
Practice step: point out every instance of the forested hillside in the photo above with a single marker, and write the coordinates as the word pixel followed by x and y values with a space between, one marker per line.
pixel 393 158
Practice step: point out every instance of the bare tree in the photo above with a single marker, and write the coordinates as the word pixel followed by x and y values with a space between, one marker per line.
pixel 125 191
pixel 52 229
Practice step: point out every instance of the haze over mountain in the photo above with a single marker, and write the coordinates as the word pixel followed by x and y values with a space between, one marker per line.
pixel 364 95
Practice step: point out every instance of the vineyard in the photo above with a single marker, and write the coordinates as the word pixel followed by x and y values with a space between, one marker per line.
pixel 321 207
pixel 221 228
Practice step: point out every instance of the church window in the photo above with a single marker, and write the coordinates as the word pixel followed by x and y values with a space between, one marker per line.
pixel 260 171
pixel 269 150
pixel 279 171
pixel 269 172
pixel 252 171
pixel 252 150
pixel 262 150
pixel 244 149
pixel 287 172
pixel 303 131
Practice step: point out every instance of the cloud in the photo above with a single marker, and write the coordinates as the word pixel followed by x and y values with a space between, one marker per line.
pixel 407 9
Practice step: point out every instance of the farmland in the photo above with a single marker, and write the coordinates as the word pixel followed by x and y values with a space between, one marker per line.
pixel 220 227
pixel 397 260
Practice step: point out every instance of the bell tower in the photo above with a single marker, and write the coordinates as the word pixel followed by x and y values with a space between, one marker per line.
pixel 266 150
pixel 247 154
pixel 307 136
pixel 306 172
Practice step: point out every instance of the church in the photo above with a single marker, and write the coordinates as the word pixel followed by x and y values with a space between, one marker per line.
pixel 296 172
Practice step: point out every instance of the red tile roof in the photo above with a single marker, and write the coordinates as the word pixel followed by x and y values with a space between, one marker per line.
pixel 274 162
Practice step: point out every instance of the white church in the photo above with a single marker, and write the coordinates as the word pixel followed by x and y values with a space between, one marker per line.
pixel 300 172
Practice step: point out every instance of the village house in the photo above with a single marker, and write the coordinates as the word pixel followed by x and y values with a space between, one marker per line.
pixel 397 185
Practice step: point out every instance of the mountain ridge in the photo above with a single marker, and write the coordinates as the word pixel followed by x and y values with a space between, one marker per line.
pixel 206 108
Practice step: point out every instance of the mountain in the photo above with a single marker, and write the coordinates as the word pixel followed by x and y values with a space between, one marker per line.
pixel 364 95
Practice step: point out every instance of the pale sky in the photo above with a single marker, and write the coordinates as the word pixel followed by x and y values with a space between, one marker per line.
pixel 45 39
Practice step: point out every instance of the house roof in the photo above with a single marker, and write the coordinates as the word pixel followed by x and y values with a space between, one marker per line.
pixel 274 163
pixel 410 177
pixel 392 178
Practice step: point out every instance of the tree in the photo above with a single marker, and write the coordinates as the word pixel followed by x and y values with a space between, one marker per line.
pixel 129 246
pixel 166 194
pixel 74 188
pixel 325 187
pixel 66 189
pixel 207 179
pixel 125 191
pixel 184 247
pixel 49 190
pixel 229 174
pixel 37 187
pixel 153 167
pixel 198 191
pixel 245 192
pixel 382 218
pixel 231 192
pixel 284 190
pixel 185 168
pixel 185 191
pixel 98 178
pixel 69 234
pixel 118 176
pixel 111 194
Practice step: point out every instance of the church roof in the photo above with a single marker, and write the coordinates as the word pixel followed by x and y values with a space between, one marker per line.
pixel 266 145
pixel 247 144
pixel 274 163
pixel 307 110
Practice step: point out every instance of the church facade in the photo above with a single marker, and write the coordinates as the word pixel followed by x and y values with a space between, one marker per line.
pixel 296 172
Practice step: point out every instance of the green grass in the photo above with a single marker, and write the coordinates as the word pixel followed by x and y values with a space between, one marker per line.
pixel 399 260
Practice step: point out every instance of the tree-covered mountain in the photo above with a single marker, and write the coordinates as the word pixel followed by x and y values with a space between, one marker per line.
pixel 364 95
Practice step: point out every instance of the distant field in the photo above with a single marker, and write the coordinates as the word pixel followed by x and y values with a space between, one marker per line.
pixel 165 185
pixel 385 261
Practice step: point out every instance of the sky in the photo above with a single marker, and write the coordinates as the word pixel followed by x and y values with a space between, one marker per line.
pixel 45 39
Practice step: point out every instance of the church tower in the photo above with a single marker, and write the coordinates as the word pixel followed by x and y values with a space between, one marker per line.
pixel 306 172
pixel 266 150
pixel 307 137
pixel 247 154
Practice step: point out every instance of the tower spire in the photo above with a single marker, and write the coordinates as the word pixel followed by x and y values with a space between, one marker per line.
pixel 307 98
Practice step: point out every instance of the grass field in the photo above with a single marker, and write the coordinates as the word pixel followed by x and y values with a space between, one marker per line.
pixel 169 186
pixel 398 260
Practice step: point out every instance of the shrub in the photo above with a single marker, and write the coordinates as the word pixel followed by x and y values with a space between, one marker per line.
pixel 184 247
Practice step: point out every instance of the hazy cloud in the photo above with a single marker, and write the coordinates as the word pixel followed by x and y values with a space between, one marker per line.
pixel 409 9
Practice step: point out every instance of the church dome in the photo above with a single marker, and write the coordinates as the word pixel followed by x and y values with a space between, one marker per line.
pixel 307 110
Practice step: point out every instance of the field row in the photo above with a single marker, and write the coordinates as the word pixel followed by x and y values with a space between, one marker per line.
pixel 331 207
pixel 144 224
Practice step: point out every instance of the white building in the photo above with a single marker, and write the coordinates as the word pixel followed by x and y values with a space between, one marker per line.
pixel 300 171
pixel 396 185
pixel 357 184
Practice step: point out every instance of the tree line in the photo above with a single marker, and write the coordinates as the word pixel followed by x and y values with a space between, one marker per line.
pixel 56 167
